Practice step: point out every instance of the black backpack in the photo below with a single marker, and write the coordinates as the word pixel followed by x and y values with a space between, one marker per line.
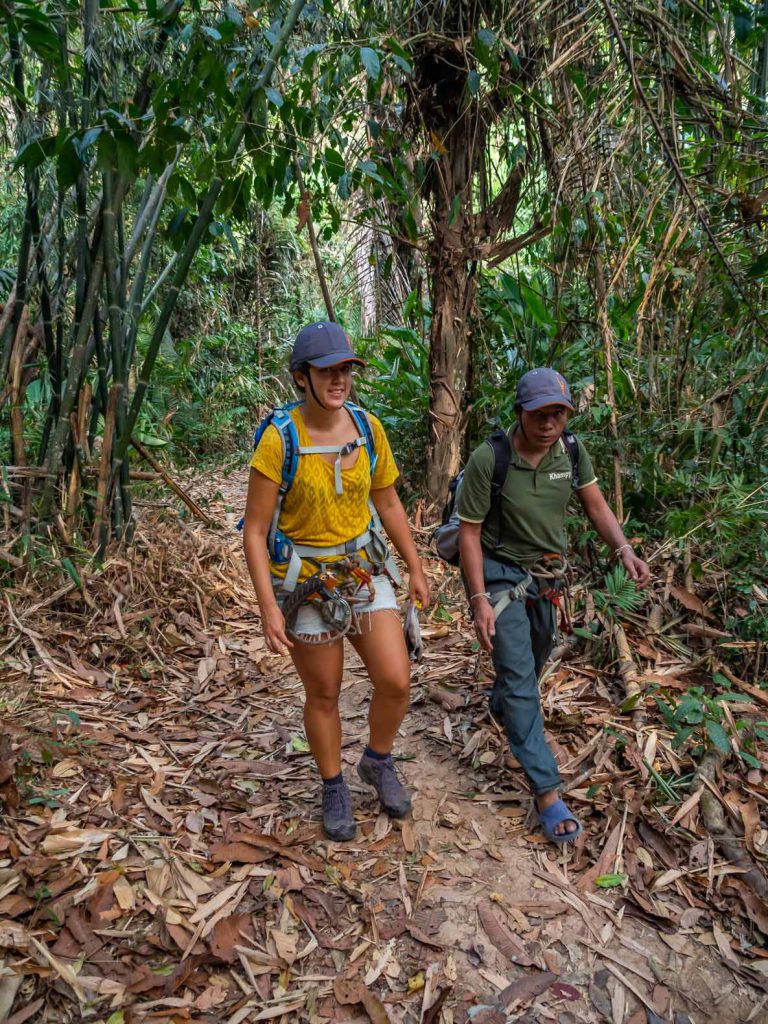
pixel 446 536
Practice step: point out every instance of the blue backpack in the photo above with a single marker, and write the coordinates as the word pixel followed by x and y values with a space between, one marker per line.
pixel 281 548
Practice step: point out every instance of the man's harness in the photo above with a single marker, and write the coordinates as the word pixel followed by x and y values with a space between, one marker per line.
pixel 553 569
pixel 337 592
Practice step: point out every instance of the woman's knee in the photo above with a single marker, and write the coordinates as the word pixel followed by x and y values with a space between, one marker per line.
pixel 392 685
pixel 324 698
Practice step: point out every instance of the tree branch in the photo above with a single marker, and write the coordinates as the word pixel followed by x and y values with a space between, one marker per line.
pixel 494 253
pixel 499 215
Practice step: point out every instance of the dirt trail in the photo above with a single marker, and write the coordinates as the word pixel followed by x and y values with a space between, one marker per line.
pixel 161 857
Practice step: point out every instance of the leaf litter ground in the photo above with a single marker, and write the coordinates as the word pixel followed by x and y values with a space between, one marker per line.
pixel 161 857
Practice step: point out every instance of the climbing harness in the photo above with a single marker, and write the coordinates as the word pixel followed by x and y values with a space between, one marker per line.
pixel 282 549
pixel 338 592
pixel 553 568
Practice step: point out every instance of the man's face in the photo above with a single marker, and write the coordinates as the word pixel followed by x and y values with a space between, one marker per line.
pixel 543 426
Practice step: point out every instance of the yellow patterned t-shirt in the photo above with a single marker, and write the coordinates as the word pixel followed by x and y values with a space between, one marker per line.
pixel 312 512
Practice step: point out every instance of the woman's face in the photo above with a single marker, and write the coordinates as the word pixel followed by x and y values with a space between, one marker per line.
pixel 331 384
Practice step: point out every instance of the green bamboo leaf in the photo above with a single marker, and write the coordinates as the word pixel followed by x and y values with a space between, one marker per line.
pixel 760 267
pixel 36 152
pixel 68 565
pixel 453 213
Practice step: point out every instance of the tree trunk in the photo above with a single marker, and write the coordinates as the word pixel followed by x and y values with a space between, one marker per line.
pixel 453 294
pixel 450 122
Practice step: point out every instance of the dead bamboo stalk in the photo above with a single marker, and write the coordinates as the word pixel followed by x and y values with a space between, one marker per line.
pixel 607 337
pixel 38 472
pixel 80 438
pixel 16 368
pixel 633 691
pixel 13 560
pixel 105 464
pixel 8 308
pixel 6 503
pixel 191 504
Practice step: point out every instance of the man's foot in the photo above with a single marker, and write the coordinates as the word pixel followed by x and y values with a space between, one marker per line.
pixel 558 823
pixel 338 822
pixel 381 774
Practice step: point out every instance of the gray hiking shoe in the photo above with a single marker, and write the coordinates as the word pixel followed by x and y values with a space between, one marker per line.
pixel 393 796
pixel 338 822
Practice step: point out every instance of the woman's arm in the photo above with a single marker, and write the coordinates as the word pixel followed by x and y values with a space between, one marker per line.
pixel 607 525
pixel 259 510
pixel 395 522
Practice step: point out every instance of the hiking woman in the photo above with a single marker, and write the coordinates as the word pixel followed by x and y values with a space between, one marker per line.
pixel 329 522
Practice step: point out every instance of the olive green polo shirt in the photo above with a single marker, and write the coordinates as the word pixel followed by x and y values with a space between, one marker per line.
pixel 533 501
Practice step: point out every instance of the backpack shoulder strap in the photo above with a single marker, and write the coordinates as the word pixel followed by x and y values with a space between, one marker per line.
pixel 282 421
pixel 365 427
pixel 502 456
pixel 572 447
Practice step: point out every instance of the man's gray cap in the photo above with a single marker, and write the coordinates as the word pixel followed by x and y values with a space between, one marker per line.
pixel 543 386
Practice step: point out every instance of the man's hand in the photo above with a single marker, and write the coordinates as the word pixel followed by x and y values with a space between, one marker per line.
pixel 485 623
pixel 637 569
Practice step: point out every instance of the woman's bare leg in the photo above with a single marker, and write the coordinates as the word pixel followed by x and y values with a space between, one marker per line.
pixel 320 668
pixel 381 646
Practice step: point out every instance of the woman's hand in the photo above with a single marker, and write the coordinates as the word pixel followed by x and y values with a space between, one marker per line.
pixel 418 588
pixel 273 624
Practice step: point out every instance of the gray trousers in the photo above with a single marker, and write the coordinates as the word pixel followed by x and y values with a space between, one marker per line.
pixel 526 632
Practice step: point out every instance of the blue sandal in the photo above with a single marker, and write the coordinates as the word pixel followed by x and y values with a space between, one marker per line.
pixel 554 815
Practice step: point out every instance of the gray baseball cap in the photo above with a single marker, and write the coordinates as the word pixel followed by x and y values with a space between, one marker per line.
pixel 324 343
pixel 542 386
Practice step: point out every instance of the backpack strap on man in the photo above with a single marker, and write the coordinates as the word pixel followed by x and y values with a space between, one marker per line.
pixel 572 447
pixel 502 456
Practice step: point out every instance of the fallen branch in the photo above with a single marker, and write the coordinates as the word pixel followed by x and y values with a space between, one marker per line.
pixel 191 504
pixel 633 691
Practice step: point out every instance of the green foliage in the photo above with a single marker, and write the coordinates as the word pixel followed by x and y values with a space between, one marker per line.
pixel 699 720
pixel 620 595
pixel 394 387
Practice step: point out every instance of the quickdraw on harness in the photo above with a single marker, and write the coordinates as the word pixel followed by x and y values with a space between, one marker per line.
pixel 283 550
pixel 337 592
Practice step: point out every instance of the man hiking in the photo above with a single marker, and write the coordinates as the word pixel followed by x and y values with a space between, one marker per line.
pixel 512 539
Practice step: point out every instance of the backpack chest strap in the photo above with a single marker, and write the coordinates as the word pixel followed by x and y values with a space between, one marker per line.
pixel 339 450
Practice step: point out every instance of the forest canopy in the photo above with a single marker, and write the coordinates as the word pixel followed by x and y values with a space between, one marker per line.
pixel 472 188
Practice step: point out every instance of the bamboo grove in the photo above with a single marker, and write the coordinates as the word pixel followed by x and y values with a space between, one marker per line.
pixel 85 261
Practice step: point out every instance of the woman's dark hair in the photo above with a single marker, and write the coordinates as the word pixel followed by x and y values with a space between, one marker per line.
pixel 301 368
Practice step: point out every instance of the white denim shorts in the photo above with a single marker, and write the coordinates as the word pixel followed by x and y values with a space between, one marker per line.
pixel 310 622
